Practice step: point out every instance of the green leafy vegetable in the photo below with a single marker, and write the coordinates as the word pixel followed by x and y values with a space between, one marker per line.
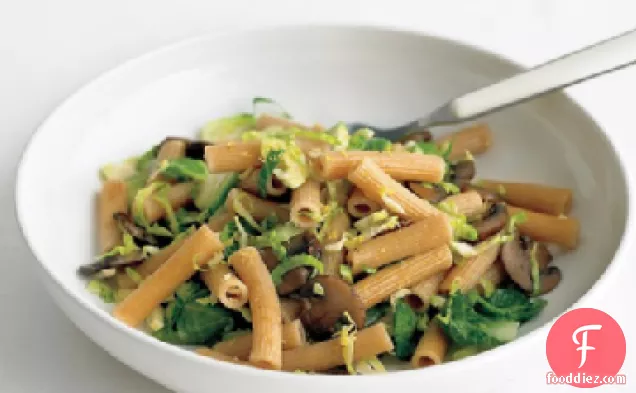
pixel 267 170
pixel 138 202
pixel 184 168
pixel 375 313
pixel 101 289
pixel 228 128
pixel 471 320
pixel 213 192
pixel 293 262
pixel 341 134
pixel 461 228
pixel 363 139
pixel 404 327
pixel 346 273
pixel 161 196
pixel 509 303
pixel 515 220
pixel 276 237
pixel 371 226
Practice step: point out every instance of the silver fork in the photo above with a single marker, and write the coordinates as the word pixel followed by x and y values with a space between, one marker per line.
pixel 587 63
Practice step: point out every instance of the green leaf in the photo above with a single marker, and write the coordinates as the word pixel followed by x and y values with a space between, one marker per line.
pixel 183 169
pixel 197 324
pixel 101 289
pixel 375 313
pixel 515 220
pixel 213 192
pixel 265 174
pixel 510 304
pixel 346 273
pixel 138 202
pixel 275 238
pixel 293 262
pixel 363 139
pixel 227 128
pixel 404 327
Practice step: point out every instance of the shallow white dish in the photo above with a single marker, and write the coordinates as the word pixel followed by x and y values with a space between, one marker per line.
pixel 320 74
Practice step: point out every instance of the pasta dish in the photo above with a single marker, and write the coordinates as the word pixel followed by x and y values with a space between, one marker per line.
pixel 272 244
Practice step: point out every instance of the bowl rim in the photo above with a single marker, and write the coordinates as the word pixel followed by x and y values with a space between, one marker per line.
pixel 123 67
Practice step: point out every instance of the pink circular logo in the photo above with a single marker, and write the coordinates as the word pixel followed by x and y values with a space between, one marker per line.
pixel 585 348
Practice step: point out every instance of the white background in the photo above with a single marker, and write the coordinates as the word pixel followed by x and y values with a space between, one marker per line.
pixel 50 48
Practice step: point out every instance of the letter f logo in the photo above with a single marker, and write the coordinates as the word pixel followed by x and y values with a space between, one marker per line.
pixel 583 344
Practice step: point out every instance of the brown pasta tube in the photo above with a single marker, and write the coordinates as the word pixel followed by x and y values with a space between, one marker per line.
pixel 475 139
pixel 541 227
pixel 536 197
pixel 431 349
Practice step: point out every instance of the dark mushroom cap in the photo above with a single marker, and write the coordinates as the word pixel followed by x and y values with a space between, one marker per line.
pixel 326 310
pixel 463 172
pixel 493 221
pixel 516 257
pixel 293 280
pixel 269 258
pixel 417 136
pixel 110 262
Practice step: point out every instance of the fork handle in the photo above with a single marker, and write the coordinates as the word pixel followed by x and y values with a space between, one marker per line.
pixel 603 57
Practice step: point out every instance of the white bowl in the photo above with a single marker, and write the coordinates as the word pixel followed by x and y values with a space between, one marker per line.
pixel 321 74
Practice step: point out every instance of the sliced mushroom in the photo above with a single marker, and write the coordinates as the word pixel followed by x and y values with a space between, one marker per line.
pixel 493 221
pixel 110 262
pixel 462 172
pixel 327 308
pixel 487 195
pixel 417 136
pixel 195 149
pixel 292 280
pixel 269 258
pixel 517 260
pixel 314 248
pixel 126 224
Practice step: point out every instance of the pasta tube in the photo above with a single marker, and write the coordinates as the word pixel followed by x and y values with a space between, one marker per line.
pixel 305 206
pixel 211 353
pixel 467 273
pixel 150 265
pixel 199 247
pixel 381 188
pixel 218 221
pixel 360 206
pixel 431 349
pixel 398 165
pixel 321 356
pixel 290 309
pixel 332 259
pixel 293 335
pixel 492 277
pixel 417 238
pixel 265 308
pixel 265 120
pixel 224 284
pixel 178 195
pixel 379 286
pixel 537 197
pixel 112 199
pixel 274 186
pixel 563 231
pixel 475 139
pixel 233 156
pixel 258 208
pixel 467 203
pixel 426 288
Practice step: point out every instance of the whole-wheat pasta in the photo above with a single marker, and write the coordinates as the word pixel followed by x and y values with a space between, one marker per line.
pixel 257 207
pixel 265 120
pixel 379 286
pixel 563 231
pixel 467 203
pixel 178 195
pixel 336 190
pixel 199 247
pixel 464 275
pixel 218 221
pixel 224 284
pixel 264 305
pixel 492 277
pixel 415 239
pixel 333 258
pixel 274 186
pixel 398 165
pixel 475 139
pixel 112 199
pixel 211 353
pixel 360 206
pixel 171 149
pixel 233 156
pixel 321 356
pixel 423 290
pixel 381 188
pixel 536 197
pixel 305 206
pixel 293 335
pixel 431 349
pixel 150 265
